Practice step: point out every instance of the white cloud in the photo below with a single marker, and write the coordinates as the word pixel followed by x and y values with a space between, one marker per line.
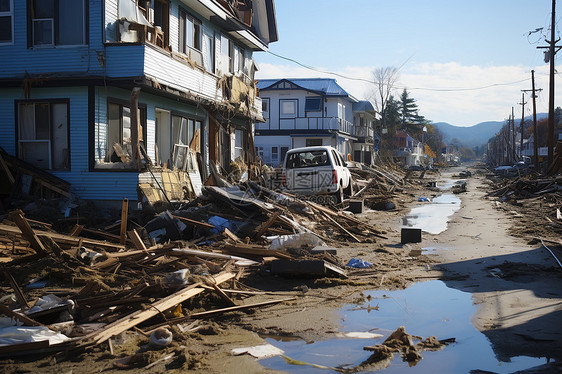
pixel 463 100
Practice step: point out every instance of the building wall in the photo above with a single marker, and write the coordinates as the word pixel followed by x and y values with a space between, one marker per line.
pixel 82 60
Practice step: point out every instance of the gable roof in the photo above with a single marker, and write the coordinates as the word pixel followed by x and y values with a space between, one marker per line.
pixel 320 86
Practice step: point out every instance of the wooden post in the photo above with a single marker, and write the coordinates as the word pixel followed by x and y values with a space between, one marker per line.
pixel 124 211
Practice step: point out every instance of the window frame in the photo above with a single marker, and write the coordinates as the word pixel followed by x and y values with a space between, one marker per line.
pixel 183 41
pixel 56 27
pixel 143 122
pixel 309 99
pixel 284 115
pixel 10 14
pixel 50 141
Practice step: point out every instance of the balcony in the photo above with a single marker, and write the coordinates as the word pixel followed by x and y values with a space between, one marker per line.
pixel 309 123
pixel 170 69
pixel 364 132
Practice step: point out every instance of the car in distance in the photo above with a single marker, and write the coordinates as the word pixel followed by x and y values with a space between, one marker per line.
pixel 319 170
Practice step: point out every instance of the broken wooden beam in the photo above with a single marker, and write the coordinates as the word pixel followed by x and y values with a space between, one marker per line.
pixel 155 308
pixel 124 213
pixel 27 232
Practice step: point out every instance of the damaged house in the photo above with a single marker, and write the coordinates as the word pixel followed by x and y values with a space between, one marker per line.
pixel 104 94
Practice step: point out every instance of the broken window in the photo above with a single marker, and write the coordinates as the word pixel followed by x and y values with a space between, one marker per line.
pixel 6 17
pixel 186 134
pixel 113 139
pixel 57 22
pixel 43 134
pixel 161 20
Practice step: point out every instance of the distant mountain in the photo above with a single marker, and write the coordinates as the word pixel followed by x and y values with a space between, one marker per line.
pixel 469 136
pixel 475 135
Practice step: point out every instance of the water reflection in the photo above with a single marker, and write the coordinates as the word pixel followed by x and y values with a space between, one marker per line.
pixel 432 218
pixel 425 309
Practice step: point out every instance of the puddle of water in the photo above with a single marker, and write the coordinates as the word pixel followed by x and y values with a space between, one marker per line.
pixel 425 309
pixel 447 184
pixel 432 218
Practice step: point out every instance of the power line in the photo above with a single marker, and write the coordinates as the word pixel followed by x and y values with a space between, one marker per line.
pixel 409 88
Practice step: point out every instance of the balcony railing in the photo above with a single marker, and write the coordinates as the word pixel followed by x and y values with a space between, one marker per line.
pixel 309 123
pixel 364 132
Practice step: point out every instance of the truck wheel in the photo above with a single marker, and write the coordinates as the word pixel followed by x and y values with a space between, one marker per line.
pixel 338 195
pixel 348 191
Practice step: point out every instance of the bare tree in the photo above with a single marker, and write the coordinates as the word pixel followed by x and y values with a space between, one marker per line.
pixel 383 80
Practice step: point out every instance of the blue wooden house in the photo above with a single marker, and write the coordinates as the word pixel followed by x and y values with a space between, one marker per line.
pixel 90 90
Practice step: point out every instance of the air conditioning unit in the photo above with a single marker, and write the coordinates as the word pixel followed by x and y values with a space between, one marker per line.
pixel 43 32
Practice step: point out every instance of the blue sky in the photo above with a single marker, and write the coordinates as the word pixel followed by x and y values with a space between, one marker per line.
pixel 440 45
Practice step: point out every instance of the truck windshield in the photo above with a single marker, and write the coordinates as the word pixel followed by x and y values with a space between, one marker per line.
pixel 307 159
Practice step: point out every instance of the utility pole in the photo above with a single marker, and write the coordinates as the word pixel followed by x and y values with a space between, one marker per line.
pixel 535 135
pixel 513 132
pixel 522 103
pixel 552 49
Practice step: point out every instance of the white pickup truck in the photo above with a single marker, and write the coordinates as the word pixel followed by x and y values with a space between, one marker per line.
pixel 316 171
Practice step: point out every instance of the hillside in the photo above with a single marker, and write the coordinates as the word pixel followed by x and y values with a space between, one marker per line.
pixel 478 134
pixel 469 136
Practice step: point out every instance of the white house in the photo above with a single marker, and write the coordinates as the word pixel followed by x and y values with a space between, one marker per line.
pixel 301 113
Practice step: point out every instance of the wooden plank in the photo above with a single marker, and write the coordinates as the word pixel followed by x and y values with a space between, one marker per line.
pixel 61 238
pixel 19 294
pixel 76 230
pixel 239 307
pixel 60 191
pixel 124 213
pixel 137 241
pixel 7 170
pixel 27 232
pixel 193 222
pixel 232 236
pixel 264 226
pixel 223 295
pixel 155 308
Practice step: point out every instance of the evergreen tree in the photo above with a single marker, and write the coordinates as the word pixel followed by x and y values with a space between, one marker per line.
pixel 408 109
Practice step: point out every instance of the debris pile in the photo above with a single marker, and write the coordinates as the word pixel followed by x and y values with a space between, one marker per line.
pixel 403 343
pixel 536 202
pixel 68 291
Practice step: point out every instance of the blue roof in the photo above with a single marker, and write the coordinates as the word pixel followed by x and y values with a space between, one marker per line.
pixel 363 106
pixel 321 86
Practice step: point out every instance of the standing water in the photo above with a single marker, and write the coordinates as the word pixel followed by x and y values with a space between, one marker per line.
pixel 425 309
pixel 432 217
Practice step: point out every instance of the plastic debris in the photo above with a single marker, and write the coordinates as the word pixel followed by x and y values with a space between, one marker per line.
pixel 295 241
pixel 28 334
pixel 423 199
pixel 358 263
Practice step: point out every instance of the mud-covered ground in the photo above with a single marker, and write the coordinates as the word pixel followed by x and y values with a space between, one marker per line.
pixel 480 234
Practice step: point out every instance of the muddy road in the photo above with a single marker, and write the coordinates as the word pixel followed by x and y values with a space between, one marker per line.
pixel 469 279
pixel 494 299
